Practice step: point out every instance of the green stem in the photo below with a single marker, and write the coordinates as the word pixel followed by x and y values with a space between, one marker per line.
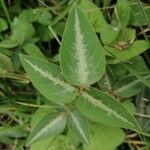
pixel 58 18
pixel 63 14
pixel 144 13
pixel 5 10
pixel 16 76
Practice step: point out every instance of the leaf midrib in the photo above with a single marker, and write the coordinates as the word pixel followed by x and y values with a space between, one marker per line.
pixel 99 104
pixel 50 77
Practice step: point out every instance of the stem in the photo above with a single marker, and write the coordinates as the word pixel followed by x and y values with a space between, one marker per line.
pixel 136 142
pixel 5 10
pixel 142 115
pixel 35 106
pixel 54 34
pixel 133 135
pixel 58 18
pixel 144 13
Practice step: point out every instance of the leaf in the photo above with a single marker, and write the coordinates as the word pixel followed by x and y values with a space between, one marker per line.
pixel 104 137
pixel 93 14
pixel 122 15
pixel 21 31
pixel 143 109
pixel 137 16
pixel 96 18
pixel 130 85
pixel 59 28
pixel 107 81
pixel 3 25
pixel 129 106
pixel 60 142
pixel 13 131
pixel 109 34
pixel 132 51
pixel 33 50
pixel 5 140
pixel 136 74
pixel 73 139
pixel 78 126
pixel 39 114
pixel 46 77
pixel 118 70
pixel 44 144
pixel 138 64
pixel 36 118
pixel 43 33
pixel 50 125
pixel 99 107
pixel 5 63
pixel 40 15
pixel 8 44
pixel 81 57
pixel 125 37
pixel 26 14
pixel 44 17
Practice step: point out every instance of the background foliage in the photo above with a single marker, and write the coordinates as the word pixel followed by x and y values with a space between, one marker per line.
pixel 36 28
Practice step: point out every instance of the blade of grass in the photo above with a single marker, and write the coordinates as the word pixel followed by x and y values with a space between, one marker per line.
pixel 54 34
pixel 144 13
pixel 5 11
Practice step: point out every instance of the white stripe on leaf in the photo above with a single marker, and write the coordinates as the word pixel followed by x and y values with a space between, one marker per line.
pixel 80 49
pixel 52 125
pixel 127 86
pixel 101 105
pixel 78 126
pixel 45 74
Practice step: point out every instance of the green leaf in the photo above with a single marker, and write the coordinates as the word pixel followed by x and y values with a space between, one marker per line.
pixel 59 28
pixel 78 126
pixel 21 31
pixel 46 77
pixel 43 33
pixel 5 63
pixel 139 64
pixel 132 51
pixel 109 34
pixel 40 15
pixel 81 57
pixel 130 85
pixel 104 137
pixel 3 25
pixel 38 115
pixel 96 18
pixel 13 131
pixel 93 14
pixel 62 142
pixel 143 110
pixel 33 50
pixel 100 107
pixel 44 144
pixel 44 17
pixel 118 70
pixel 125 37
pixel 129 106
pixel 26 14
pixel 36 118
pixel 8 44
pixel 137 16
pixel 50 125
pixel 136 73
pixel 73 139
pixel 121 14
pixel 107 81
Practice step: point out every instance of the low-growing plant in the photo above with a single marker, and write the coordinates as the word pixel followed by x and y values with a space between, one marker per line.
pixel 84 98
